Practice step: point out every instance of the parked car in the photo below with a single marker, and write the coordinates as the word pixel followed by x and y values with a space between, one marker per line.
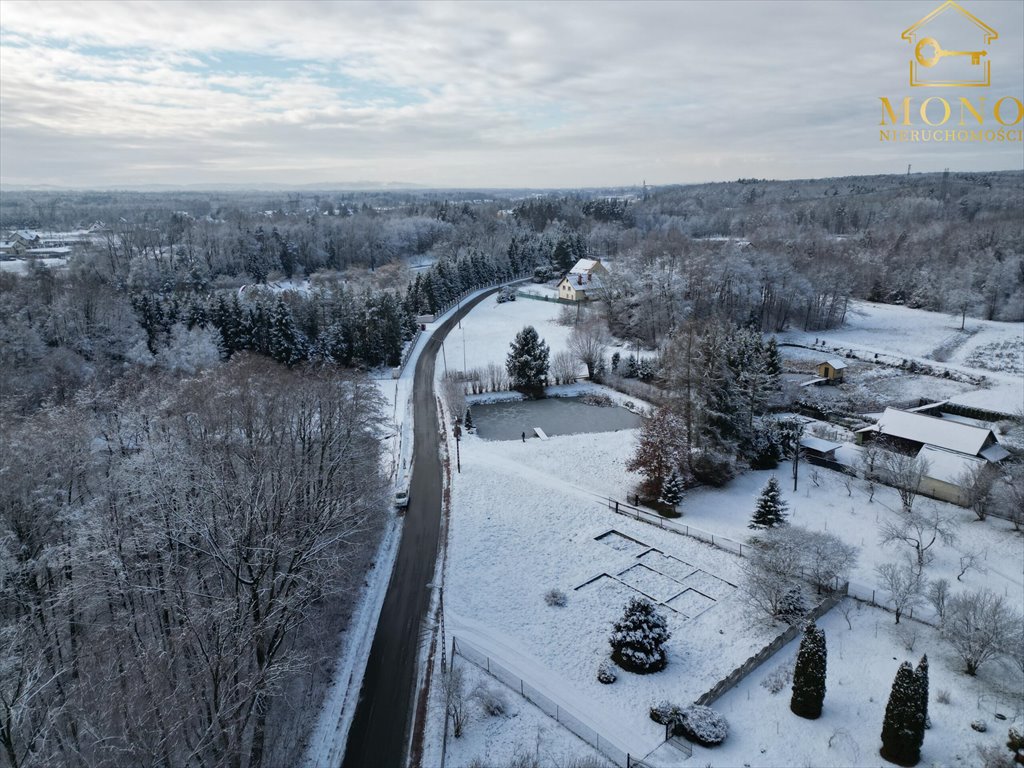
pixel 402 499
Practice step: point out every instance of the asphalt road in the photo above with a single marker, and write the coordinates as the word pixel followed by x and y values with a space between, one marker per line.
pixel 380 729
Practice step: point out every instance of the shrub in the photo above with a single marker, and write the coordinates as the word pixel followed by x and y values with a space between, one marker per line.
pixel 606 673
pixel 711 468
pixel 491 701
pixel 792 609
pixel 665 712
pixel 942 696
pixel 702 725
pixel 979 725
pixel 637 638
pixel 777 679
pixel 556 598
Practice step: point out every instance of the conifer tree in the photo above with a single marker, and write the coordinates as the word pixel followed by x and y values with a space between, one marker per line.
pixel 287 345
pixel 468 421
pixel 771 509
pixel 809 675
pixel 527 361
pixel 922 682
pixel 672 489
pixel 903 727
pixel 637 638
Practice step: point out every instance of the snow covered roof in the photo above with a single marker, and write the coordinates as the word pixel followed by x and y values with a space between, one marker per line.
pixel 947 466
pixel 835 363
pixel 583 267
pixel 994 453
pixel 819 445
pixel 931 430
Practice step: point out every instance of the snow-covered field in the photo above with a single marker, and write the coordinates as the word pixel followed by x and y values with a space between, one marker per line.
pixel 984 348
pixel 529 517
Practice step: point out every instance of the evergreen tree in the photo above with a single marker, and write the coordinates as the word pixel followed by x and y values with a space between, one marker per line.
pixel 468 421
pixel 791 606
pixel 771 509
pixel 773 360
pixel 672 489
pixel 903 727
pixel 922 682
pixel 809 675
pixel 637 638
pixel 631 368
pixel 287 345
pixel 615 362
pixel 527 361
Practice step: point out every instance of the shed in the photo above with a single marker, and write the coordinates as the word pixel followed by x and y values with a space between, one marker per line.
pixel 819 449
pixel 946 469
pixel 831 370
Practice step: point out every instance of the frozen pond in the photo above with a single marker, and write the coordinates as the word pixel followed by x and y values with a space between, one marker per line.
pixel 554 415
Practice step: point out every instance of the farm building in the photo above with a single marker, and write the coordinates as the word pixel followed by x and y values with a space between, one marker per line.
pixel 582 281
pixel 831 370
pixel 946 472
pixel 909 431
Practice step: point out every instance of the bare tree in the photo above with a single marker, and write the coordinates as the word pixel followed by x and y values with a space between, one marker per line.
pixel 454 687
pixel 588 343
pixel 977 485
pixel 904 473
pixel 919 529
pixel 938 596
pixel 979 626
pixel 903 583
pixel 563 367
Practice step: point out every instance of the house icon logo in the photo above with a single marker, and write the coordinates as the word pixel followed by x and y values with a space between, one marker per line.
pixel 960 59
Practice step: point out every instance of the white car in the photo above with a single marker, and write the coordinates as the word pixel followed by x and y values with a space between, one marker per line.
pixel 402 499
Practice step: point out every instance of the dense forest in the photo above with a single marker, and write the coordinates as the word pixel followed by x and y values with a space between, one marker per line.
pixel 190 474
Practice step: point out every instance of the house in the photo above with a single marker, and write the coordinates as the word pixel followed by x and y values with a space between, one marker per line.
pixel 831 370
pixel 583 281
pixel 909 431
pixel 951 448
pixel 945 473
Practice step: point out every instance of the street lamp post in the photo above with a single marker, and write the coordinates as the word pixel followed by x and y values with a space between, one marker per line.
pixel 457 431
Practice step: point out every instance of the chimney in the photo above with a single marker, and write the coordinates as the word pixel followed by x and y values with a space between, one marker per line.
pixel 579 279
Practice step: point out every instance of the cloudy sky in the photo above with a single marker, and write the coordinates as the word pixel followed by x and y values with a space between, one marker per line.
pixel 539 94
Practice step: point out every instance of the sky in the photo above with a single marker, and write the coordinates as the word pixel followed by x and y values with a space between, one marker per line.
pixel 522 94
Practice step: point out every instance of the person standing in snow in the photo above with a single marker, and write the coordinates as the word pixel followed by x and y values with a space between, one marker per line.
pixel 524 437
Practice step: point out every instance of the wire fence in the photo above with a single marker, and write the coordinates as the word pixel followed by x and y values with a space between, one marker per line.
pixel 566 717
pixel 668 524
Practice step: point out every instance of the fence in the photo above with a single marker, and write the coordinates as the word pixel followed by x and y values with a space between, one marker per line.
pixel 552 299
pixel 722 542
pixel 880 598
pixel 551 708
pixel 726 684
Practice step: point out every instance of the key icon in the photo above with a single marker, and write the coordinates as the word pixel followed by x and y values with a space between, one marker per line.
pixel 938 53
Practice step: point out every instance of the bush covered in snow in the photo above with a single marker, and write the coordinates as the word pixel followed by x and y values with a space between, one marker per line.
pixel 491 701
pixel 637 638
pixel 606 673
pixel 777 679
pixel 556 598
pixel 702 725
pixel 665 712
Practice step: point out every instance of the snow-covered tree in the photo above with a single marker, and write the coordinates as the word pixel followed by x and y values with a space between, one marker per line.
pixel 809 674
pixel 922 685
pixel 467 421
pixel 979 626
pixel 771 509
pixel 588 343
pixel 904 585
pixel 903 727
pixel 660 449
pixel 527 360
pixel 287 343
pixel 672 489
pixel 638 638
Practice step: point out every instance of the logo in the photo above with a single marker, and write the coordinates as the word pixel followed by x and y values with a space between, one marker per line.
pixel 962 59
pixel 933 66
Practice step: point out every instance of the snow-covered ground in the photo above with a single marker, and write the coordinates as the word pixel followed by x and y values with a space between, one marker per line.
pixel 863 657
pixel 529 517
pixel 986 348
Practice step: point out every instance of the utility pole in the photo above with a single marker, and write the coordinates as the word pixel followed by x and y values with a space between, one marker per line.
pixel 457 431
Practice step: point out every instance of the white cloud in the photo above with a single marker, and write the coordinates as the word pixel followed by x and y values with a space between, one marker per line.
pixel 461 93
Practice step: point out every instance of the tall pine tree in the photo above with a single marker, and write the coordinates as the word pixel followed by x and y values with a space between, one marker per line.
pixel 771 509
pixel 527 361
pixel 922 683
pixel 809 675
pixel 903 727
